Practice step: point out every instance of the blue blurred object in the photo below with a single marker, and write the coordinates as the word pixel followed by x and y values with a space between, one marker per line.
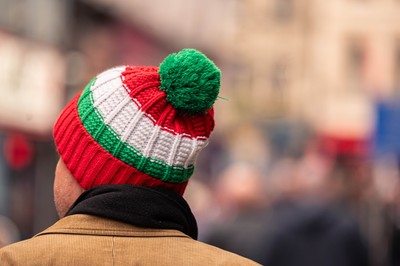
pixel 387 127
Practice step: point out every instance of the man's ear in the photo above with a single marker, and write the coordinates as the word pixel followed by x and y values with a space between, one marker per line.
pixel 66 189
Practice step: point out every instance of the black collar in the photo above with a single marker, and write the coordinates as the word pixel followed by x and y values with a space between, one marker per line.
pixel 148 207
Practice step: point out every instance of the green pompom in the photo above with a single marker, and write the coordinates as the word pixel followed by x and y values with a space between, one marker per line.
pixel 190 80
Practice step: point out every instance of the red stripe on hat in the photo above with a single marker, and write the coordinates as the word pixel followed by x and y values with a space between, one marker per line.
pixel 89 163
pixel 142 85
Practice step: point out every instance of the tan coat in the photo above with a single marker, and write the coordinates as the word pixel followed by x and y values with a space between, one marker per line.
pixel 88 240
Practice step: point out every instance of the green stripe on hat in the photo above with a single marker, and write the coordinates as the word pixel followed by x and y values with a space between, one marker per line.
pixel 111 142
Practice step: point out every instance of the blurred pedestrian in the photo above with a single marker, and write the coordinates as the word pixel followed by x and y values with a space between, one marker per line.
pixel 306 227
pixel 242 201
pixel 127 146
pixel 306 234
pixel 9 232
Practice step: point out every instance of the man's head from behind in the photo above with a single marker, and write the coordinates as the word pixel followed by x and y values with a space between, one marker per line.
pixel 135 125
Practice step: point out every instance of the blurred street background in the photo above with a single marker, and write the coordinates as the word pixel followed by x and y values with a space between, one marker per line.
pixel 307 123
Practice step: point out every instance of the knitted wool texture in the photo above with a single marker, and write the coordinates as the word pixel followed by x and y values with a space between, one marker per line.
pixel 140 125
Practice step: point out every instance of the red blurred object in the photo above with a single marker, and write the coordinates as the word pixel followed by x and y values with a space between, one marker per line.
pixel 345 146
pixel 18 151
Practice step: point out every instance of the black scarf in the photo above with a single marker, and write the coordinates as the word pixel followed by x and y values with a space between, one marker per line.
pixel 148 207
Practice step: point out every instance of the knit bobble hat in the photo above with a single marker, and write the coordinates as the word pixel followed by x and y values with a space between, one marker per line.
pixel 140 125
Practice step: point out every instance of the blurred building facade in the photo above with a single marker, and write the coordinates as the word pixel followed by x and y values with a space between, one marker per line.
pixel 324 62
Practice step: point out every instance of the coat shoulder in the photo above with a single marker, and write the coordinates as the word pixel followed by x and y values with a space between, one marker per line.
pixel 83 240
pixel 217 256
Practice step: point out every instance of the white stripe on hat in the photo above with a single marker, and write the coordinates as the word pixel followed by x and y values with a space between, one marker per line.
pixel 134 127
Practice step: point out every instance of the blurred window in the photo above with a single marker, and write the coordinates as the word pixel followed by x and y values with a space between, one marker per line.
pixel 279 75
pixel 397 66
pixel 279 83
pixel 241 76
pixel 355 62
pixel 12 15
pixel 284 10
